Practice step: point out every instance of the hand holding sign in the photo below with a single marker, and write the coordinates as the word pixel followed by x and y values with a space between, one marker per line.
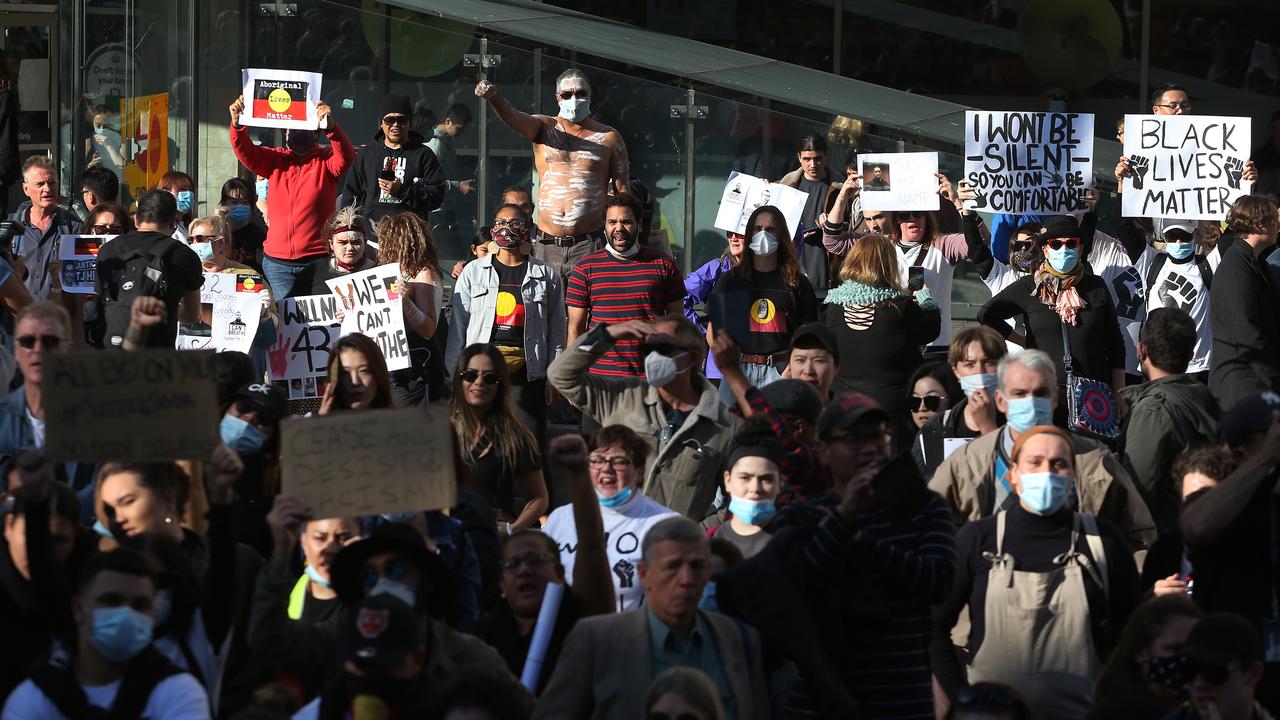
pixel 1191 167
pixel 286 99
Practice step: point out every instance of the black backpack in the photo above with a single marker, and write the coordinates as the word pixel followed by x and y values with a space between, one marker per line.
pixel 57 680
pixel 143 276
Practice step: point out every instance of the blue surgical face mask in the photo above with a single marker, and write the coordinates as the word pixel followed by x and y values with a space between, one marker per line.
pixel 240 436
pixel 261 187
pixel 314 576
pixel 751 512
pixel 185 200
pixel 981 381
pixel 1180 250
pixel 709 601
pixel 120 633
pixel 1044 493
pixel 763 243
pixel 620 498
pixel 1064 259
pixel 1028 412
pixel 239 213
pixel 204 251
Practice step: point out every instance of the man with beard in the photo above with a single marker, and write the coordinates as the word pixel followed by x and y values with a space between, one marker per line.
pixel 397 171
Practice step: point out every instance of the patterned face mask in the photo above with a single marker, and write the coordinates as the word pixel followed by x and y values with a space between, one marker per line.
pixel 1169 673
pixel 1024 262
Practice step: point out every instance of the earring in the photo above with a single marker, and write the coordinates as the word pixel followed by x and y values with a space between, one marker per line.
pixel 168 520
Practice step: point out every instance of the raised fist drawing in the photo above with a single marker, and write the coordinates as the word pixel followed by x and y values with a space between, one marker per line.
pixel 1235 169
pixel 1177 292
pixel 1140 167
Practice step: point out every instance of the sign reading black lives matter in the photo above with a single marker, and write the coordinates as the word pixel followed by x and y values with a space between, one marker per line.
pixel 280 99
pixel 1184 166
pixel 1033 163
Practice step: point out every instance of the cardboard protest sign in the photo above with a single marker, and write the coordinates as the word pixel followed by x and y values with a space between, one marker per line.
pixel 224 298
pixel 1028 163
pixel 744 193
pixel 148 405
pixel 309 328
pixel 899 181
pixel 79 257
pixel 1185 166
pixel 280 98
pixel 373 308
pixel 369 462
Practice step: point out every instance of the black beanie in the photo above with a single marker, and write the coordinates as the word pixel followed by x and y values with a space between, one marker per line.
pixel 395 104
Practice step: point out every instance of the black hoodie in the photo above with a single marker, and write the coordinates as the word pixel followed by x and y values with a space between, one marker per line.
pixel 415 166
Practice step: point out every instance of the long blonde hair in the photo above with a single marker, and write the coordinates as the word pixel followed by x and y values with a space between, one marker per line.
pixel 405 238
pixel 872 261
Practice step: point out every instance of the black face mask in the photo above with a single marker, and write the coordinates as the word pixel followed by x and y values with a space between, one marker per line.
pixel 395 692
pixel 1026 261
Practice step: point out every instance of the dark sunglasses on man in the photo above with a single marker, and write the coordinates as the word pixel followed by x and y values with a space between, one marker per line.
pixel 392 120
pixel 47 342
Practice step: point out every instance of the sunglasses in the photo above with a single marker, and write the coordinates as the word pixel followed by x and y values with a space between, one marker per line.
pixel 909 214
pixel 1179 236
pixel 1059 243
pixel 115 229
pixel 1021 246
pixel 1212 674
pixel 391 120
pixel 48 342
pixel 669 349
pixel 470 375
pixel 567 94
pixel 930 402
pixel 203 238
pixel 531 559
pixel 659 715
pixel 1176 106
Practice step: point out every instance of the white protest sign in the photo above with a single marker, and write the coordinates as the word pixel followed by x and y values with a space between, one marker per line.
pixel 1184 166
pixel 744 193
pixel 373 308
pixel 1028 163
pixel 309 328
pixel 235 321
pixel 280 98
pixel 79 257
pixel 899 181
pixel 222 297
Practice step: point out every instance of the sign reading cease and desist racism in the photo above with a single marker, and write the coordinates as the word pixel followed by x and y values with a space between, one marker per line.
pixel 1184 166
pixel 1028 163
pixel 280 98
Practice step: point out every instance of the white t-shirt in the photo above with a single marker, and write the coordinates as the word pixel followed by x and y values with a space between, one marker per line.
pixel 37 428
pixel 1180 285
pixel 624 530
pixel 1111 262
pixel 937 277
pixel 178 697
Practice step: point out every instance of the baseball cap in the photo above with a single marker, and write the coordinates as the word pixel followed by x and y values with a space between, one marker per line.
pixel 380 632
pixel 794 396
pixel 816 335
pixel 847 409
pixel 1060 226
pixel 1222 638
pixel 1186 227
pixel 1253 414
pixel 268 400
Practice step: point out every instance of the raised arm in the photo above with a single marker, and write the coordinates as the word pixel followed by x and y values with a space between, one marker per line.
pixel 1206 519
pixel 620 163
pixel 257 159
pixel 344 153
pixel 592 581
pixel 216 606
pixel 528 126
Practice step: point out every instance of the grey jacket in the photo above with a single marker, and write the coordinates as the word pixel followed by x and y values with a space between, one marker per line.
pixel 686 470
pixel 475 300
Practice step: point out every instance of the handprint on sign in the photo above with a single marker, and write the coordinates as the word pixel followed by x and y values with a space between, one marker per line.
pixel 979 198
pixel 1140 167
pixel 1234 168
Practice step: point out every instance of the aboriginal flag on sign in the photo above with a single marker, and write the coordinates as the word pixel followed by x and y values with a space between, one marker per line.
pixel 249 283
pixel 280 99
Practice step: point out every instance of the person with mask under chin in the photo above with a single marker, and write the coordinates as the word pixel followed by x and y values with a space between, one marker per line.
pixel 304 180
pixel 769 287
pixel 1048 589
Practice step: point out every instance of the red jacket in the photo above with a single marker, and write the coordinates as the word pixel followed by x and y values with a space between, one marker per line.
pixel 301 190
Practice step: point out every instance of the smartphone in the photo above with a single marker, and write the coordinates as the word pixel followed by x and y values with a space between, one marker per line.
pixel 388 175
pixel 915 278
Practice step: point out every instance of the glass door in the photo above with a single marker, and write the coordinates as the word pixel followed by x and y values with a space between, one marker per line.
pixel 29 49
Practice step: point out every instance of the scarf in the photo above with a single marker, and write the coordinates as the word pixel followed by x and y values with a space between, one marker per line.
pixel 1058 290
pixel 852 292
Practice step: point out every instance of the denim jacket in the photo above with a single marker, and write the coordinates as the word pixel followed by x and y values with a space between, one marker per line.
pixel 17 436
pixel 475 302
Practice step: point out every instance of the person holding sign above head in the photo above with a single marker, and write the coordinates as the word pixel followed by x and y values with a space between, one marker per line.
pixel 501 454
pixel 770 288
pixel 346 236
pixel 357 377
pixel 303 177
pixel 515 302
pixel 397 171
pixel 405 239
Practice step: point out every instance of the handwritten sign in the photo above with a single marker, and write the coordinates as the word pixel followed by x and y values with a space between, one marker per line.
pixel 230 311
pixel 280 98
pixel 148 405
pixel 1184 166
pixel 371 461
pixel 744 193
pixel 1032 163
pixel 309 328
pixel 899 181
pixel 373 308
pixel 79 257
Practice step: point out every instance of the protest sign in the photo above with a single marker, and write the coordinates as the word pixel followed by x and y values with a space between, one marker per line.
pixel 79 257
pixel 899 181
pixel 309 328
pixel 147 405
pixel 373 308
pixel 370 462
pixel 224 298
pixel 280 98
pixel 235 321
pixel 1184 166
pixel 1028 163
pixel 744 193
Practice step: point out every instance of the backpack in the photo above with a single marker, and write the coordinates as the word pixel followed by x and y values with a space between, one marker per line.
pixel 1157 263
pixel 143 276
pixel 57 680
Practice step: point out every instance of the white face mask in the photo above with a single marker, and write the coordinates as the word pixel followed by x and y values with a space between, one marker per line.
pixel 763 243
pixel 660 370
pixel 575 109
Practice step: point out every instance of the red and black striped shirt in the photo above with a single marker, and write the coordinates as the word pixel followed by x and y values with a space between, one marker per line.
pixel 615 289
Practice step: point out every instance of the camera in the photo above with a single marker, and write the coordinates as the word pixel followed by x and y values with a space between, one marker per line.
pixel 11 237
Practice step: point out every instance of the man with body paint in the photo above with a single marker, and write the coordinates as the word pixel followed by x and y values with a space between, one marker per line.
pixel 577 160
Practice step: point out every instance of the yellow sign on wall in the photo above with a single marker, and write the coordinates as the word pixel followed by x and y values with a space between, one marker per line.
pixel 144 122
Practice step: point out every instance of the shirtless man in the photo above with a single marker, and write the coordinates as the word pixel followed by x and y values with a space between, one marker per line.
pixel 576 158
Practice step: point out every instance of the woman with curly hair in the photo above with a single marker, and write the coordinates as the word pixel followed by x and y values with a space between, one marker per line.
pixel 347 236
pixel 404 238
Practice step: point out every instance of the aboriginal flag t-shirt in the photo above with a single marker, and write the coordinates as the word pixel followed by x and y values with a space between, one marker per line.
pixel 508 316
pixel 280 99
pixel 768 310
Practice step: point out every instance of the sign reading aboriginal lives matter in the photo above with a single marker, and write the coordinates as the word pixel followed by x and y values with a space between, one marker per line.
pixel 370 462
pixel 1032 163
pixel 899 181
pixel 280 98
pixel 372 307
pixel 1184 166
pixel 148 405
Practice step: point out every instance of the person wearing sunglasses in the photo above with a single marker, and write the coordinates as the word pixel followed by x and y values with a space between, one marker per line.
pixel 579 160
pixel 1224 671
pixel 1061 295
pixel 971 411
pixel 932 390
pixel 501 454
pixel 397 171
pixel 515 302
pixel 303 177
